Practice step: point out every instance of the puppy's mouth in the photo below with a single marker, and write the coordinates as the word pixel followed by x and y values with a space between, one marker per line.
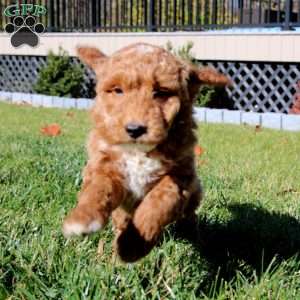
pixel 138 146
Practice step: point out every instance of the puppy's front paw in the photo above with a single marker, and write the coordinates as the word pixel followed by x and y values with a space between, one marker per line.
pixel 82 221
pixel 71 228
pixel 130 246
pixel 147 224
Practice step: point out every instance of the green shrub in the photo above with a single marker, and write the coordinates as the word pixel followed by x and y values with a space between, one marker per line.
pixel 184 52
pixel 60 77
pixel 206 93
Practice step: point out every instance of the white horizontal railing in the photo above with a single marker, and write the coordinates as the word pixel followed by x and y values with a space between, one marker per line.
pixel 244 45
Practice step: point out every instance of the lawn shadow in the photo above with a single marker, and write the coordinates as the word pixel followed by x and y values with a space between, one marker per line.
pixel 254 235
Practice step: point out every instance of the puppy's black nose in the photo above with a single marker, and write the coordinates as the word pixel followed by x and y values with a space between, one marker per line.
pixel 135 130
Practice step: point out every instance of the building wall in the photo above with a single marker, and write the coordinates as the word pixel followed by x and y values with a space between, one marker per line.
pixel 282 46
pixel 263 67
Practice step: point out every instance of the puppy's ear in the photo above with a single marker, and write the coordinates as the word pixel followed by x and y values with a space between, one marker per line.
pixel 205 76
pixel 208 76
pixel 91 56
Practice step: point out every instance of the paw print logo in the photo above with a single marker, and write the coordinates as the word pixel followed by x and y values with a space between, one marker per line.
pixel 24 31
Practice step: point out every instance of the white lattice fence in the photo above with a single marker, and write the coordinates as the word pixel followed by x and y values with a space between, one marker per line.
pixel 260 87
pixel 257 87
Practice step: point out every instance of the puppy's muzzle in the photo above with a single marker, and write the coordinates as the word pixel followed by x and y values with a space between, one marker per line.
pixel 135 130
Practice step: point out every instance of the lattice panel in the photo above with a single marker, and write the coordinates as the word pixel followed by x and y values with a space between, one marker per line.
pixel 258 87
pixel 19 73
pixel 261 87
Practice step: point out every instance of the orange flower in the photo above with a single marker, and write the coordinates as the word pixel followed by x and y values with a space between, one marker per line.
pixel 51 130
pixel 198 150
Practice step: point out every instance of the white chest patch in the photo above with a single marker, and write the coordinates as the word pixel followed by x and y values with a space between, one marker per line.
pixel 138 170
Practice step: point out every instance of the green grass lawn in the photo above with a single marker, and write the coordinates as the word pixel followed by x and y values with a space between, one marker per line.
pixel 246 245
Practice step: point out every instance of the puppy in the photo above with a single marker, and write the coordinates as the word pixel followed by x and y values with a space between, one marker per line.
pixel 141 167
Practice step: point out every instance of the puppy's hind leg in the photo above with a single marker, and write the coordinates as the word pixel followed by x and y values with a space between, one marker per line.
pixel 99 196
pixel 188 225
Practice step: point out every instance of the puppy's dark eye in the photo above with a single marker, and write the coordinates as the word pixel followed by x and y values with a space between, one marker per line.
pixel 115 90
pixel 162 94
pixel 118 91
